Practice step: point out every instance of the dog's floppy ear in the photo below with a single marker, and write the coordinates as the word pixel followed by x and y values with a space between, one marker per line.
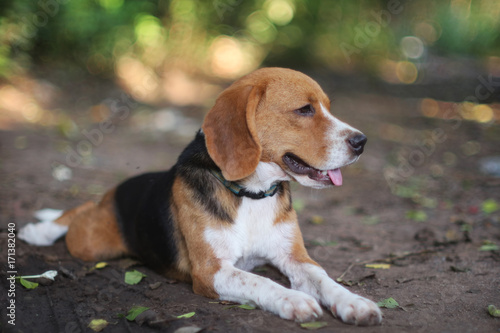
pixel 230 131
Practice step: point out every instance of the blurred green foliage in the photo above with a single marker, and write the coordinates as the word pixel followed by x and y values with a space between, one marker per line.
pixel 92 35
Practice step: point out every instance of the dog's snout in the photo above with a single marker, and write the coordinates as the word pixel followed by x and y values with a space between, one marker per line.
pixel 357 143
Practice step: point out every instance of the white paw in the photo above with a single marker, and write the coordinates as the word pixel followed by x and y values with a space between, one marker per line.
pixel 298 306
pixel 357 310
pixel 42 234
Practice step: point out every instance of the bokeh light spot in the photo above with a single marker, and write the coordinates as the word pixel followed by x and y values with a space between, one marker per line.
pixel 227 56
pixel 62 173
pixel 429 107
pixel 231 58
pixel 412 47
pixel 261 28
pixel 427 32
pixel 483 113
pixel 148 29
pixel 467 111
pixel 280 12
pixel 111 4
pixel 31 112
pixel 406 72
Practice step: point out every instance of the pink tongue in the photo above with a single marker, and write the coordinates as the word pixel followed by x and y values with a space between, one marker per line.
pixel 335 176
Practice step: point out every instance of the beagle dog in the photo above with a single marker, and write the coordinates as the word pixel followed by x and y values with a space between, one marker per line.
pixel 225 206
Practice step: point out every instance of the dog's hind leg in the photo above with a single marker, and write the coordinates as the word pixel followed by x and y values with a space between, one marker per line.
pixel 94 234
pixel 91 229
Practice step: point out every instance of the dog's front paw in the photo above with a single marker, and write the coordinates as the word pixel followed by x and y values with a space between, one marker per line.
pixel 357 310
pixel 298 306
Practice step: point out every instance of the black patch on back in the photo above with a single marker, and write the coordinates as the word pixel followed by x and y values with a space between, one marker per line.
pixel 143 209
pixel 194 167
pixel 142 204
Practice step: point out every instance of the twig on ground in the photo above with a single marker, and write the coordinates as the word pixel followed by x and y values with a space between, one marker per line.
pixel 389 259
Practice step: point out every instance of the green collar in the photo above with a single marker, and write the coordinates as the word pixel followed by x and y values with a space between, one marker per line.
pixel 240 191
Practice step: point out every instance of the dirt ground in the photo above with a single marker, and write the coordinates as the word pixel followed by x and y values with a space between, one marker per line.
pixel 416 200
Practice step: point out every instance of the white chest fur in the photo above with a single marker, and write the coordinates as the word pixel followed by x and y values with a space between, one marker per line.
pixel 253 238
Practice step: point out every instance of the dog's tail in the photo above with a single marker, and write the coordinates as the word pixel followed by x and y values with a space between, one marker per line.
pixel 53 225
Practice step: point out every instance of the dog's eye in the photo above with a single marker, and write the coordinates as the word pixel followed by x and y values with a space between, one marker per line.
pixel 306 110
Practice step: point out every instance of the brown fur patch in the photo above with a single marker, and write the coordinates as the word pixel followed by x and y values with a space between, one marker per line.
pixel 93 232
pixel 284 211
pixel 285 214
pixel 299 252
pixel 196 256
pixel 280 129
pixel 230 131
pixel 68 216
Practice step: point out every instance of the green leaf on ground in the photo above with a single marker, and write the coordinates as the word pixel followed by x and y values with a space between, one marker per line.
pixel 378 266
pixel 389 303
pixel 344 282
pixel 98 325
pixel 322 243
pixel 135 311
pixel 100 265
pixel 187 315
pixel 489 246
pixel 317 219
pixel 416 215
pixel 489 206
pixel 134 277
pixel 28 284
pixel 493 311
pixel 314 325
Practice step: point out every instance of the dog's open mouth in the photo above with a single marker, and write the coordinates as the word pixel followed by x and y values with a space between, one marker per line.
pixel 300 167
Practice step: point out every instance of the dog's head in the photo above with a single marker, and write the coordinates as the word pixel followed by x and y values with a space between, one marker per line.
pixel 282 116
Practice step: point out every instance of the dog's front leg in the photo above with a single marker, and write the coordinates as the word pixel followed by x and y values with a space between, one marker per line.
pixel 233 284
pixel 310 278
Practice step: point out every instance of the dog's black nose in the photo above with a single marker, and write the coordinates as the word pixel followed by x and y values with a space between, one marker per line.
pixel 357 143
